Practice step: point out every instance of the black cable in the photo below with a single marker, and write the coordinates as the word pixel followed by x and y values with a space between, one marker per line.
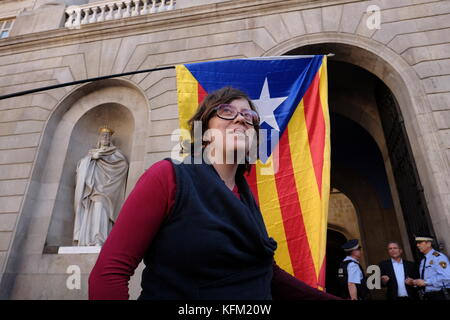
pixel 66 84
pixel 60 85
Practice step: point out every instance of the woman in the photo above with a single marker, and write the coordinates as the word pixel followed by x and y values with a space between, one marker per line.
pixel 197 225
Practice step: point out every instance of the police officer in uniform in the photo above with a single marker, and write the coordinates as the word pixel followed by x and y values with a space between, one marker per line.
pixel 434 282
pixel 351 276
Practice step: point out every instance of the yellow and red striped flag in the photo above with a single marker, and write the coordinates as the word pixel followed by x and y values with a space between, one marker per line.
pixel 291 179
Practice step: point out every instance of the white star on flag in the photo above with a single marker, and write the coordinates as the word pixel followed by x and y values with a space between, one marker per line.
pixel 267 105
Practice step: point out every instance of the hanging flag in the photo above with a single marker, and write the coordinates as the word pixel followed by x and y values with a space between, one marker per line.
pixel 291 179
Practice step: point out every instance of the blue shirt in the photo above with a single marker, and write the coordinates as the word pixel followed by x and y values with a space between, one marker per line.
pixel 354 273
pixel 400 276
pixel 437 272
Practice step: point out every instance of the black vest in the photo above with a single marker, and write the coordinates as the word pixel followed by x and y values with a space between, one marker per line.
pixel 212 245
pixel 362 291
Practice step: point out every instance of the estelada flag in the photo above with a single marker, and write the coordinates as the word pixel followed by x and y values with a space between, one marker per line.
pixel 291 179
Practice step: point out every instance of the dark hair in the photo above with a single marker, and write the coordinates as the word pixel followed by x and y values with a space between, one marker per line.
pixel 395 242
pixel 206 111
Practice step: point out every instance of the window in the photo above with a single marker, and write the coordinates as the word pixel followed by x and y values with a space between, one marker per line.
pixel 5 27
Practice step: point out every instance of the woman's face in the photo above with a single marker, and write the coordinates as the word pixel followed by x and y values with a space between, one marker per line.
pixel 230 136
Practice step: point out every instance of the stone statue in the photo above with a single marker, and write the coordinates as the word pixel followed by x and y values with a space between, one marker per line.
pixel 99 192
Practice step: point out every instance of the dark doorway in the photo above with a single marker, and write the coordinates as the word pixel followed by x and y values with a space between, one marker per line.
pixel 334 257
pixel 409 187
pixel 353 87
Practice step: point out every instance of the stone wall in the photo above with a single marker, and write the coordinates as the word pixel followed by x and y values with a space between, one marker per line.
pixel 342 215
pixel 410 53
pixel 10 8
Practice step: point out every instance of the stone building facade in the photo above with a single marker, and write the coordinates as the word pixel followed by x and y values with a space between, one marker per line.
pixel 43 135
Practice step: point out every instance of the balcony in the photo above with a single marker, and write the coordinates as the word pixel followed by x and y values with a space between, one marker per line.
pixel 76 16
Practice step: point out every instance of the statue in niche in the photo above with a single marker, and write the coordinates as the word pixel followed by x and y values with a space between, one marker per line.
pixel 100 190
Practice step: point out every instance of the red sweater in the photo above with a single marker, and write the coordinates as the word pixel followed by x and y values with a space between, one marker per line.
pixel 139 220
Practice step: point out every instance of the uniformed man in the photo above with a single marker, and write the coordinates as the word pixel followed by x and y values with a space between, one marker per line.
pixel 434 271
pixel 351 275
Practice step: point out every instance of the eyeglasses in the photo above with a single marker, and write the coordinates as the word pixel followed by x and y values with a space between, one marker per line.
pixel 230 112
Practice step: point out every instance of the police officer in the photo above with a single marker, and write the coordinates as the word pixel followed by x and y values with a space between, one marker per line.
pixel 351 275
pixel 434 271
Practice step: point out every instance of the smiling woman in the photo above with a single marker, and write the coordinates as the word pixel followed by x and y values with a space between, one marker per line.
pixel 197 225
pixel 226 123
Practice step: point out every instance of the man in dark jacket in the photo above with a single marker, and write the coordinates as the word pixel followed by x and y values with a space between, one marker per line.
pixel 398 274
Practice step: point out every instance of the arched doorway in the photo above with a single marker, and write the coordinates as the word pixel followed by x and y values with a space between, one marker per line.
pixel 343 225
pixel 44 219
pixel 408 95
pixel 334 256
pixel 365 119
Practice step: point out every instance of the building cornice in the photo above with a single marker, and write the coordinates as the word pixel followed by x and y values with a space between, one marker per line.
pixel 163 21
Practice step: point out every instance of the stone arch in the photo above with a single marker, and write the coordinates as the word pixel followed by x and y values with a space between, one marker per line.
pixel 342 215
pixel 362 108
pixel 341 230
pixel 406 86
pixel 75 122
pixel 42 195
pixel 84 136
pixel 369 212
pixel 336 237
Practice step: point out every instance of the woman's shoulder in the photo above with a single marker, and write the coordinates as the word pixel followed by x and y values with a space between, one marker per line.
pixel 164 164
pixel 160 168
pixel 161 171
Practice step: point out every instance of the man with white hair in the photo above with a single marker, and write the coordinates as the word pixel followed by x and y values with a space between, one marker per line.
pixel 434 271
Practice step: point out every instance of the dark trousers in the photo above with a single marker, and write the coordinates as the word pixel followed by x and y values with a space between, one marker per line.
pixel 437 295
pixel 402 298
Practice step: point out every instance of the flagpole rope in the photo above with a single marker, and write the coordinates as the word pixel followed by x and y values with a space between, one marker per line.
pixel 66 84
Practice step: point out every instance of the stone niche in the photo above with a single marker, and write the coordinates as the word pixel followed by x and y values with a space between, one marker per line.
pixel 84 137
pixel 36 268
